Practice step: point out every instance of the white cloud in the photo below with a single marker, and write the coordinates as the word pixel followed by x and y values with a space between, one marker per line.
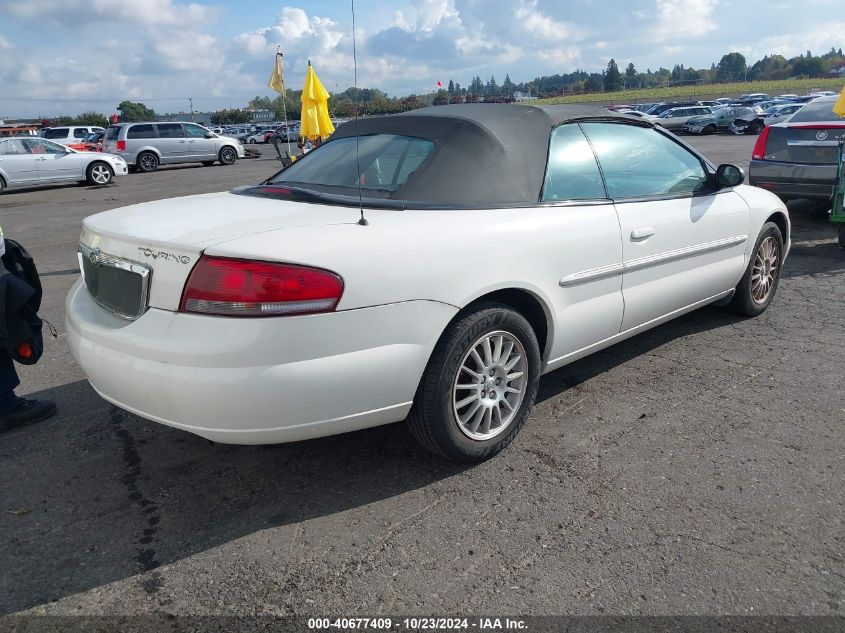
pixel 538 25
pixel 145 12
pixel 5 45
pixel 676 19
pixel 200 52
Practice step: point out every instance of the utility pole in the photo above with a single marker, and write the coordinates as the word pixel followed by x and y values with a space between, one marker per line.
pixel 191 101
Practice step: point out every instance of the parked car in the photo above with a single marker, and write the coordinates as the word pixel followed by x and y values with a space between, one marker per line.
pixel 799 158
pixel 145 146
pixel 719 120
pixel 635 113
pixel 33 161
pixel 92 142
pixel 660 108
pixel 271 314
pixel 69 134
pixel 259 136
pixel 770 116
pixel 675 118
pixel 218 130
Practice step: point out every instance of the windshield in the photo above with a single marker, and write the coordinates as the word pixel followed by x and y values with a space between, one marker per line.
pixel 386 161
pixel 821 110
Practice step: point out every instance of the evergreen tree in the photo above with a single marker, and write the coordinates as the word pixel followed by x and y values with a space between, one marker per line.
pixel 451 89
pixel 630 75
pixel 508 87
pixel 492 88
pixel 612 77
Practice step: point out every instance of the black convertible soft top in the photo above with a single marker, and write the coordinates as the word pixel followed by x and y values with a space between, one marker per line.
pixel 485 155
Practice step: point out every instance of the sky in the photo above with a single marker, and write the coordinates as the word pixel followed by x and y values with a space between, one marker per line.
pixel 70 56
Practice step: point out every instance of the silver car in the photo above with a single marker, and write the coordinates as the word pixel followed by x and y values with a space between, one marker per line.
pixel 145 146
pixel 29 162
pixel 799 158
pixel 675 118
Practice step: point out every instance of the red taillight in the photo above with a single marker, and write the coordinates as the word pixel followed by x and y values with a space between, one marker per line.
pixel 121 146
pixel 245 288
pixel 760 146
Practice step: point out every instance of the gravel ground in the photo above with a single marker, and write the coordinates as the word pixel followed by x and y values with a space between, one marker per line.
pixel 694 469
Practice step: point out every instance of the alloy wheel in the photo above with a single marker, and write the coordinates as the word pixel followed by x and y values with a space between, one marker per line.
pixel 765 271
pixel 228 156
pixel 490 385
pixel 148 162
pixel 100 174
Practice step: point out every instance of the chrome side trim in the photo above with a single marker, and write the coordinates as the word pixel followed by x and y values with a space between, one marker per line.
pixel 96 257
pixel 681 253
pixel 619 268
pixel 593 274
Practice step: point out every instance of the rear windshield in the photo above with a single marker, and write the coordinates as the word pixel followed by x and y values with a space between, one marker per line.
pixel 386 161
pixel 56 132
pixel 821 110
pixel 113 132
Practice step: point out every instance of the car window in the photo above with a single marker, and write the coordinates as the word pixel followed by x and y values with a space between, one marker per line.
pixel 170 130
pixel 195 131
pixel 816 111
pixel 41 146
pixel 12 147
pixel 141 131
pixel 572 172
pixel 387 161
pixel 639 162
pixel 56 132
pixel 79 132
pixel 113 133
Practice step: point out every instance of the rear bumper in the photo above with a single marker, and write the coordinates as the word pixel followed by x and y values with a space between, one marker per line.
pixel 793 180
pixel 258 381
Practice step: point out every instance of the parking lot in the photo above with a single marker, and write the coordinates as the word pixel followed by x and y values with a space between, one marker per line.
pixel 694 469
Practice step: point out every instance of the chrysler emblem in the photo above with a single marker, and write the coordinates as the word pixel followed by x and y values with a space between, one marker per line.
pixel 821 135
pixel 95 256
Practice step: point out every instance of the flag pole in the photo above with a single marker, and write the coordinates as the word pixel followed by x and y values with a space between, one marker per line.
pixel 285 106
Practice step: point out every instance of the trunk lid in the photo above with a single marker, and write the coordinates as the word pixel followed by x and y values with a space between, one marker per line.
pixel 808 144
pixel 168 236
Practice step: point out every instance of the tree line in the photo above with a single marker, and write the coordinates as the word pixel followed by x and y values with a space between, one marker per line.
pixel 730 68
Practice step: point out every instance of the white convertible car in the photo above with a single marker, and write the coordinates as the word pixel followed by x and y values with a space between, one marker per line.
pixel 500 242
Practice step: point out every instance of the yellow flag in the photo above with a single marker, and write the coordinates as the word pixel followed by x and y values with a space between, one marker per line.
pixel 277 78
pixel 316 122
pixel 839 106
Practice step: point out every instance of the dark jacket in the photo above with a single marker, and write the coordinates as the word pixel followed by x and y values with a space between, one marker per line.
pixel 20 300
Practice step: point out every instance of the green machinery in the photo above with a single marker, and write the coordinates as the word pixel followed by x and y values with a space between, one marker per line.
pixel 837 212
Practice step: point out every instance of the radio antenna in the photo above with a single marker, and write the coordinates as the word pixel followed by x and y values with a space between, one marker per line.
pixel 362 221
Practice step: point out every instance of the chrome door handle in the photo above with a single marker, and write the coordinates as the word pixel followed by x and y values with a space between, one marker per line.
pixel 190 141
pixel 183 141
pixel 642 233
pixel 42 158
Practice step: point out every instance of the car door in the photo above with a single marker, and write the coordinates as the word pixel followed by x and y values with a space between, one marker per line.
pixel 587 270
pixel 17 165
pixel 199 147
pixel 683 241
pixel 171 142
pixel 56 163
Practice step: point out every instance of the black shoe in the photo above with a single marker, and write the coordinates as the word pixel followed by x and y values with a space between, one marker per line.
pixel 27 412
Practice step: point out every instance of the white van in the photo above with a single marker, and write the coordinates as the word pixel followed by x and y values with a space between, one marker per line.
pixel 69 133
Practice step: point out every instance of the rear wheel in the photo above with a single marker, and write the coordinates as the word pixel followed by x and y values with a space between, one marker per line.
pixel 228 155
pixel 147 162
pixel 252 141
pixel 710 129
pixel 758 285
pixel 98 174
pixel 757 126
pixel 479 385
pixel 2 185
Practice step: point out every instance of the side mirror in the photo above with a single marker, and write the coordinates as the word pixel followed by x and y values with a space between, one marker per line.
pixel 729 176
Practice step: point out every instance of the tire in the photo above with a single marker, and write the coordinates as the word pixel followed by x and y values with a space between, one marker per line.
pixel 207 163
pixel 228 155
pixel 252 141
pixel 841 228
pixel 710 129
pixel 748 299
pixel 2 185
pixel 436 418
pixel 146 162
pixel 99 174
pixel 757 127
